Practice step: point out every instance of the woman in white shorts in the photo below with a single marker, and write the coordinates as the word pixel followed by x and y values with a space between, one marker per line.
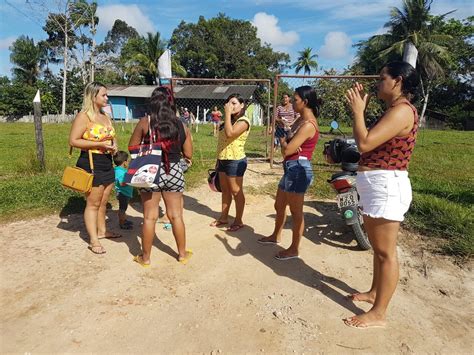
pixel 382 180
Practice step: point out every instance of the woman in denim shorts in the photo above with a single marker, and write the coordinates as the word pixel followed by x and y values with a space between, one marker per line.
pixel 231 161
pixel 382 180
pixel 297 150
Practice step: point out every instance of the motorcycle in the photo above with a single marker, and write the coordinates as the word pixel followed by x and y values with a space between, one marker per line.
pixel 344 151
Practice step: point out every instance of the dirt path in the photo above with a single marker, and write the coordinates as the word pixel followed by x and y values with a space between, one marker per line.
pixel 233 297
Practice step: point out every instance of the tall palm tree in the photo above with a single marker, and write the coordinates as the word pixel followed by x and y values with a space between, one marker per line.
pixel 306 61
pixel 413 24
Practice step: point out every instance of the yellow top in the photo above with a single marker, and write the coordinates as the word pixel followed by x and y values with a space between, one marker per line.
pixel 96 132
pixel 232 148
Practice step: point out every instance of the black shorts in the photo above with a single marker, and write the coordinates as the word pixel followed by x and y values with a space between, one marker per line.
pixel 103 168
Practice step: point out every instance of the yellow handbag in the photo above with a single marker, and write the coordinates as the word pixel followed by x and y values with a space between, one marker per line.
pixel 78 179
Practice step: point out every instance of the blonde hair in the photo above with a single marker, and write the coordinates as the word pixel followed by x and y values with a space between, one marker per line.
pixel 90 92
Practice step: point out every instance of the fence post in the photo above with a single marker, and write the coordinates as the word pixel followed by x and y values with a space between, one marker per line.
pixel 38 130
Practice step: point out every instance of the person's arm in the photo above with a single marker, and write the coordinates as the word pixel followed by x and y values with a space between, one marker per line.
pixel 394 123
pixel 188 146
pixel 79 126
pixel 233 131
pixel 138 133
pixel 306 131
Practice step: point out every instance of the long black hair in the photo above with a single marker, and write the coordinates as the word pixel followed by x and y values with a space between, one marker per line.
pixel 408 74
pixel 162 116
pixel 308 93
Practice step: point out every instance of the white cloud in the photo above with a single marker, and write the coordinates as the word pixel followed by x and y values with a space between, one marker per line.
pixel 6 42
pixel 131 14
pixel 269 31
pixel 336 45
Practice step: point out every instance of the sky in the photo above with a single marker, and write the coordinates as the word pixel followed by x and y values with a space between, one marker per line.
pixel 329 27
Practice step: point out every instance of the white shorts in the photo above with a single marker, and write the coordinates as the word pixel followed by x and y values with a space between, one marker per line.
pixel 384 193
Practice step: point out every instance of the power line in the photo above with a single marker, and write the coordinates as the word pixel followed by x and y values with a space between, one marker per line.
pixel 32 19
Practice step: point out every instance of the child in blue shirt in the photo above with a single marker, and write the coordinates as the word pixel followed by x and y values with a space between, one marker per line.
pixel 124 191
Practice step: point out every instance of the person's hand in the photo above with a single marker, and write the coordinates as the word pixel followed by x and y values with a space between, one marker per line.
pixel 109 146
pixel 188 161
pixel 357 98
pixel 228 109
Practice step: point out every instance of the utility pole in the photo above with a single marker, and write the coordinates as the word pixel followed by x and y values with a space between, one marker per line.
pixel 38 130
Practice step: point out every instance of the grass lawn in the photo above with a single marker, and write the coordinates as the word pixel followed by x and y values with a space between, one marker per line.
pixel 441 172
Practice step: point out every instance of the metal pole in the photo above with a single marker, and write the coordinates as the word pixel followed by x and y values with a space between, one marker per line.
pixel 38 130
pixel 275 95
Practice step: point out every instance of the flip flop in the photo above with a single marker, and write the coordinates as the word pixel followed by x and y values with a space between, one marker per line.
pixel 217 223
pixel 235 227
pixel 139 259
pixel 265 241
pixel 167 226
pixel 186 258
pixel 97 249
pixel 289 257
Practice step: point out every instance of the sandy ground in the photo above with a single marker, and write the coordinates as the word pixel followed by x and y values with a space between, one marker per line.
pixel 232 297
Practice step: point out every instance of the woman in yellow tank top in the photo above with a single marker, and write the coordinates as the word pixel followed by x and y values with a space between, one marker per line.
pixel 232 161
pixel 92 130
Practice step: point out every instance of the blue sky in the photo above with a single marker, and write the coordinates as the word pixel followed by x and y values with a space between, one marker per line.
pixel 330 27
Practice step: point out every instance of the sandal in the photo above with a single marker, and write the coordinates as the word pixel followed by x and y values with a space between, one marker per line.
pixel 167 226
pixel 139 259
pixel 235 227
pixel 184 260
pixel 96 249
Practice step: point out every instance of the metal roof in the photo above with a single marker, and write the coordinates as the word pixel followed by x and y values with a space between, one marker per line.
pixel 213 92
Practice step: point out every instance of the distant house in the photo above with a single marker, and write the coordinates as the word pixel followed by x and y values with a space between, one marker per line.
pixel 130 102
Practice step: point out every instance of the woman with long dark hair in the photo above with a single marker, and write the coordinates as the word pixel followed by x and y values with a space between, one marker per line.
pixel 175 140
pixel 297 149
pixel 382 180
pixel 232 161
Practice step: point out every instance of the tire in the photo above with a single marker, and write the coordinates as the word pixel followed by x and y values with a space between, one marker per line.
pixel 361 236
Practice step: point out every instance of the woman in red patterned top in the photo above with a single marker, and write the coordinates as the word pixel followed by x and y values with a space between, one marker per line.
pixel 382 180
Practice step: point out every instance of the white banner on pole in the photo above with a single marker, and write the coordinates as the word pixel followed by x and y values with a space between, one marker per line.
pixel 410 53
pixel 164 65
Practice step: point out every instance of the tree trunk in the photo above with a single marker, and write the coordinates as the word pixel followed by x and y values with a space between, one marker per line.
pixel 93 50
pixel 63 109
pixel 426 96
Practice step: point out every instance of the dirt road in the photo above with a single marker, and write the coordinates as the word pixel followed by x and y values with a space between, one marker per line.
pixel 232 297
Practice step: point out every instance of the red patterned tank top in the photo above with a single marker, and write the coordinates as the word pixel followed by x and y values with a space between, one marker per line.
pixel 394 154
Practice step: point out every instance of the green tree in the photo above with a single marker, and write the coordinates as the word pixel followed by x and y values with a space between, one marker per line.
pixel 411 24
pixel 224 48
pixel 28 59
pixel 141 57
pixel 306 61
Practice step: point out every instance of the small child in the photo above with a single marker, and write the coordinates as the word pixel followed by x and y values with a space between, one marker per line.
pixel 124 191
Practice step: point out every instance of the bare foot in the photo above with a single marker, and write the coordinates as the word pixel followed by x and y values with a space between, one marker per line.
pixel 218 223
pixel 287 254
pixel 366 320
pixel 184 259
pixel 368 297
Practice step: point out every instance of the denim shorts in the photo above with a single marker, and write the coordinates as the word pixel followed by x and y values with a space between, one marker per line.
pixel 297 177
pixel 384 193
pixel 280 132
pixel 232 167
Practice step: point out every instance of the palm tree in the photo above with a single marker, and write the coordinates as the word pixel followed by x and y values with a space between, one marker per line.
pixel 414 24
pixel 145 53
pixel 306 61
pixel 28 59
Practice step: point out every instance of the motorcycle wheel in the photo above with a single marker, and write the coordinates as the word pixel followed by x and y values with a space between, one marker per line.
pixel 361 235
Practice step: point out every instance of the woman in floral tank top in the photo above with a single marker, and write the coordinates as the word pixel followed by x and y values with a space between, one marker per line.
pixel 382 180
